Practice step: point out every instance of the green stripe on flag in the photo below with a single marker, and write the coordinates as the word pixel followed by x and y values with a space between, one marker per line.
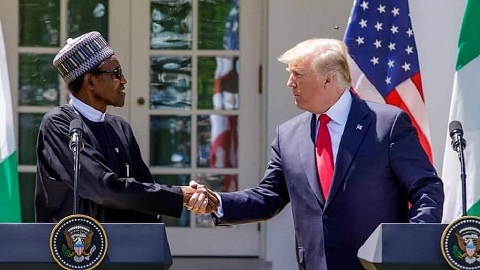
pixel 474 210
pixel 9 191
pixel 469 39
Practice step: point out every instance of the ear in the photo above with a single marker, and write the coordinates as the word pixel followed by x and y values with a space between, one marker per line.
pixel 88 80
pixel 327 80
pixel 331 77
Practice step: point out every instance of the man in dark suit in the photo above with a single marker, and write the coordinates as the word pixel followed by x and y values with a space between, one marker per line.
pixel 379 166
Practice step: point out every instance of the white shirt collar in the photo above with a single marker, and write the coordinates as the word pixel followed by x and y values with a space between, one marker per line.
pixel 87 111
pixel 340 110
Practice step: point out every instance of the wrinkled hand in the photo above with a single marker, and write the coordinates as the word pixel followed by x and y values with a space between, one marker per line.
pixel 199 199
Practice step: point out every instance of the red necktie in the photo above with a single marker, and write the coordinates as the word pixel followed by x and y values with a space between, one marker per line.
pixel 324 155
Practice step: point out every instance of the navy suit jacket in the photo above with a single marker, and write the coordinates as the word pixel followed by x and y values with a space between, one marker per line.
pixel 380 168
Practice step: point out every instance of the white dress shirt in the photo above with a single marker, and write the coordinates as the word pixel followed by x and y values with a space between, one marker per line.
pixel 338 114
pixel 86 110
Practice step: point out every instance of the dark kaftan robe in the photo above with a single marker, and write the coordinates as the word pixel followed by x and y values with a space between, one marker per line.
pixel 105 190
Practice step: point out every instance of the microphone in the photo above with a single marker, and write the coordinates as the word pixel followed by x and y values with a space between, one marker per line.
pixel 456 133
pixel 76 131
pixel 459 144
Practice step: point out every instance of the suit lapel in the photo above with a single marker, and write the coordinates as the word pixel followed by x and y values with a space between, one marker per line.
pixel 306 147
pixel 355 130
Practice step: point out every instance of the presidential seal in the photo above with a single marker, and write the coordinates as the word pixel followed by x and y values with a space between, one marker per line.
pixel 460 243
pixel 78 242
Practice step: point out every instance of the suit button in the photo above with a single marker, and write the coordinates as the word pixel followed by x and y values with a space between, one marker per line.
pixel 325 216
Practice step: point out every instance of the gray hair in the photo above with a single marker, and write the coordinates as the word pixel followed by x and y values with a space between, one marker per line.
pixel 326 56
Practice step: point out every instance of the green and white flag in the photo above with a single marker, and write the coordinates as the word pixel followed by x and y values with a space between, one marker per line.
pixel 465 107
pixel 9 192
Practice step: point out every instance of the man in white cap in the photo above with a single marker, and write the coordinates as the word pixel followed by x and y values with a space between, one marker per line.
pixel 114 184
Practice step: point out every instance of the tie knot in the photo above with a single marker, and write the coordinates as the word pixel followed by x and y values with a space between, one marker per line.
pixel 324 118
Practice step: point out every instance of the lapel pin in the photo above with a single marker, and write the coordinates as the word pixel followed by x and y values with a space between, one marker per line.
pixel 359 127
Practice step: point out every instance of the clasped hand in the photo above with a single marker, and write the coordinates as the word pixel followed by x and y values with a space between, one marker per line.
pixel 199 199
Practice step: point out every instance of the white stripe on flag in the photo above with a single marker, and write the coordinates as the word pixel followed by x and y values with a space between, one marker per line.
pixel 7 140
pixel 414 102
pixel 464 107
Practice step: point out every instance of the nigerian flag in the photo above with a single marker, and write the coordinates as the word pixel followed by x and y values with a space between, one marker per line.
pixel 465 107
pixel 9 193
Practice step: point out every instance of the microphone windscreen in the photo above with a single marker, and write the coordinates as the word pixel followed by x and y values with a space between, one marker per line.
pixel 76 125
pixel 455 127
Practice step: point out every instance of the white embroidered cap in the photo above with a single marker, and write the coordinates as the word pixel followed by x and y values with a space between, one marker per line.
pixel 81 54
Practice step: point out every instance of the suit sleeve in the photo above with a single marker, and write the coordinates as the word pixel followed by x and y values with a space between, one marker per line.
pixel 261 202
pixel 415 173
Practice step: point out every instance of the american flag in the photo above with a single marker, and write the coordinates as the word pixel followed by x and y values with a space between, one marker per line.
pixel 384 59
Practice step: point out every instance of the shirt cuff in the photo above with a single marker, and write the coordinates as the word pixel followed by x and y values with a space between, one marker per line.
pixel 219 212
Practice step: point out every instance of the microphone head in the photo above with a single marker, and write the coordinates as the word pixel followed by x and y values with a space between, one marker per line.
pixel 76 125
pixel 455 128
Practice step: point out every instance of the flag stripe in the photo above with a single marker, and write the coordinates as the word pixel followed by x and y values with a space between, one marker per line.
pixel 469 43
pixel 9 197
pixel 7 140
pixel 9 191
pixel 464 108
pixel 417 81
pixel 395 99
pixel 416 107
pixel 474 210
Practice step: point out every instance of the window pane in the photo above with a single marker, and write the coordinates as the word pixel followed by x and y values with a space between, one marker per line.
pixel 39 23
pixel 218 24
pixel 27 195
pixel 38 82
pixel 29 123
pixel 218 83
pixel 177 180
pixel 87 15
pixel 170 82
pixel 217 141
pixel 170 141
pixel 171 24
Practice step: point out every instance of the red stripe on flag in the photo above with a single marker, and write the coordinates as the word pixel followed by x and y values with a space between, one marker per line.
pixel 417 81
pixel 394 99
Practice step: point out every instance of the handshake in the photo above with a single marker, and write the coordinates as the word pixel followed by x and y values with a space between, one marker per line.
pixel 199 199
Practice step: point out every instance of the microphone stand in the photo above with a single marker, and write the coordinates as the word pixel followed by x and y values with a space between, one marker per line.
pixel 463 176
pixel 76 146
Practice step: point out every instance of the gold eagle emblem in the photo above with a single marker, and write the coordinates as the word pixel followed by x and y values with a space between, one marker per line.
pixel 79 239
pixel 470 246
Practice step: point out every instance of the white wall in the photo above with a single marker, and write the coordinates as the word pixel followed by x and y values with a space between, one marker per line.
pixel 436 24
